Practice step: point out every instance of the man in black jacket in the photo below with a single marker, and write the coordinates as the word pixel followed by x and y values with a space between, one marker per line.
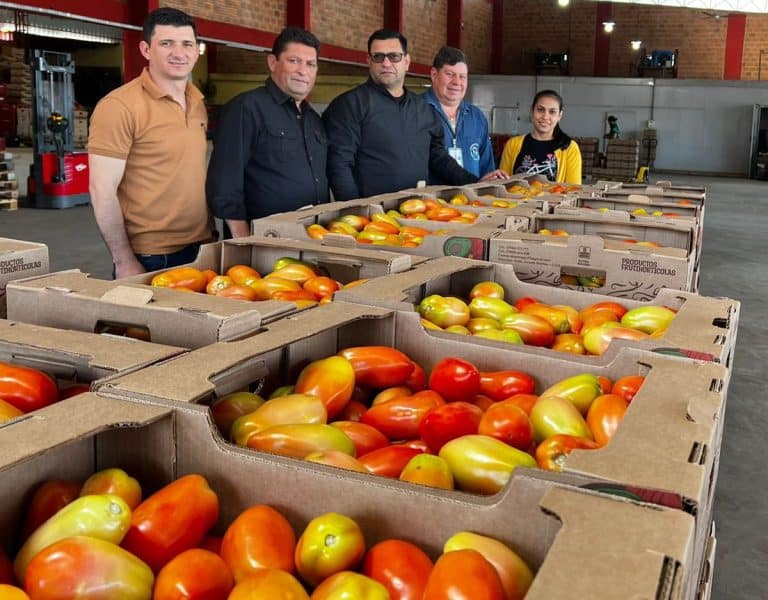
pixel 383 138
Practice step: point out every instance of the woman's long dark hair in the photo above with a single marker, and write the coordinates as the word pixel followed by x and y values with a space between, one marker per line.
pixel 563 139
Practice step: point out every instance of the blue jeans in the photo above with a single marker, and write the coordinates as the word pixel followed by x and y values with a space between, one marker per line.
pixel 153 262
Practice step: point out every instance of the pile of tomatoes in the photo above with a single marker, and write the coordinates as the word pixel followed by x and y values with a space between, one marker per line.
pixel 530 321
pixel 290 279
pixel 536 187
pixel 23 389
pixel 372 409
pixel 101 540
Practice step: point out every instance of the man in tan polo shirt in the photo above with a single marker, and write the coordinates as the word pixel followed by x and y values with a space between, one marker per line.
pixel 147 150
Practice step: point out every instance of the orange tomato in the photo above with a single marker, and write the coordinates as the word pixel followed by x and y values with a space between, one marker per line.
pixel 604 417
pixel 616 308
pixel 429 470
pixel 331 379
pixel 302 298
pixel 217 284
pixel 627 387
pixel 209 274
pixel 353 411
pixel 26 388
pixel 241 273
pixel 572 343
pixel 524 401
pixel 463 575
pixel 321 286
pixel 508 422
pixel 187 278
pixel 47 500
pixel 269 285
pixel 259 538
pixel 335 458
pixel 114 481
pixel 552 452
pixel 401 567
pixel 295 271
pixel 390 460
pixel 365 437
pixel 317 231
pixel 194 574
pixel 272 584
pixel 238 292
pixel 11 592
pixel 605 384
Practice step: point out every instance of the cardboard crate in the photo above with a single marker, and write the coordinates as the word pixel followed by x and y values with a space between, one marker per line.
pixel 704 328
pixel 547 524
pixel 19 259
pixel 665 189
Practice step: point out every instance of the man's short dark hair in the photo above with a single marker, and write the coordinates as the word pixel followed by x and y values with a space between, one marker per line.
pixel 294 35
pixel 388 34
pixel 166 16
pixel 449 56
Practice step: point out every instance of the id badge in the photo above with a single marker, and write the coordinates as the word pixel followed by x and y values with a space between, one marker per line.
pixel 456 155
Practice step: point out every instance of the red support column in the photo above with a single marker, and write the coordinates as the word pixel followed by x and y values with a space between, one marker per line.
pixel 298 13
pixel 211 51
pixel 393 15
pixel 734 46
pixel 133 61
pixel 497 36
pixel 455 23
pixel 602 39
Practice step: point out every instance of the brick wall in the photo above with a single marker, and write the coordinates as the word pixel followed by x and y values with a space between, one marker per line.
pixel 237 60
pixel 476 35
pixel 424 25
pixel 267 15
pixel 346 23
pixel 755 39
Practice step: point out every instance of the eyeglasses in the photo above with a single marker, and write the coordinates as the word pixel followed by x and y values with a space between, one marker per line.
pixel 394 57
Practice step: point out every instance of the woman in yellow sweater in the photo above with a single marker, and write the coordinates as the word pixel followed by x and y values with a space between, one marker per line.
pixel 547 150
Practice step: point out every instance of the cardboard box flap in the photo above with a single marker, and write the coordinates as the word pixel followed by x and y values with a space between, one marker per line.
pixel 128 296
pixel 11 245
pixel 683 429
pixel 194 376
pixel 650 547
pixel 72 419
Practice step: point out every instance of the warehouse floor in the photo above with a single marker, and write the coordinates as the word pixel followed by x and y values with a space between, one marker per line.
pixel 735 245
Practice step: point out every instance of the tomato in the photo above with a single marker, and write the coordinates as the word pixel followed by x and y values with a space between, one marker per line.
pixel 516 576
pixel 297 271
pixel 227 409
pixel 605 384
pixel 553 415
pixel 524 401
pixel 552 452
pixel 114 481
pixel 596 319
pixel 102 516
pixel 617 309
pixel 357 221
pixel 499 385
pixel 348 585
pixel 194 575
pixel 391 394
pixel 47 500
pixel 316 231
pixel 8 411
pixel 242 273
pixel 487 289
pixel 298 440
pixel 572 343
pixel 482 464
pixel 449 421
pixel 429 470
pixel 238 291
pixel 331 379
pixel 301 298
pixel 521 303
pixel 627 387
pixel 480 324
pixel 329 544
pixel 217 284
pixel 321 286
pixel 556 317
pixel 455 379
pixel 444 311
pixel 507 422
pixel 25 388
pixel 87 568
pixel 412 206
pixel 353 411
pixel 186 278
pixel 266 287
pixel 390 460
pixel 597 339
pixel 173 519
pixel 272 584
pixel 482 401
pixel 417 380
pixel 365 438
pixel 399 419
pixel 11 592
pixel 378 366
pixel 284 410
pixel 604 417
pixel 648 319
pixel 401 567
pixel 490 308
pixel 74 390
pixel 334 458
pixel 580 390
pixel 463 575
pixel 533 330
pixel 259 538
pixel 573 316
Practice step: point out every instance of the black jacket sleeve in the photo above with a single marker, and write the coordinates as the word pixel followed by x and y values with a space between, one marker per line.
pixel 442 167
pixel 343 123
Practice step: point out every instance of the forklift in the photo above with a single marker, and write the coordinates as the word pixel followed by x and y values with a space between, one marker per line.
pixel 59 174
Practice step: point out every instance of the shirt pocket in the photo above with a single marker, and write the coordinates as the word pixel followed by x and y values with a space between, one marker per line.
pixel 282 142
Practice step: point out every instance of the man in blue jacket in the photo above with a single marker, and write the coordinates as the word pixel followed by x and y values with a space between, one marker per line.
pixel 464 125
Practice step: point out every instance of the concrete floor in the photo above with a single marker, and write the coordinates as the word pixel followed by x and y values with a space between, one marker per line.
pixel 735 245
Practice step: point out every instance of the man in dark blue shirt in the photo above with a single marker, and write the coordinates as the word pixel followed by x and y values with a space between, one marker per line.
pixel 383 138
pixel 270 148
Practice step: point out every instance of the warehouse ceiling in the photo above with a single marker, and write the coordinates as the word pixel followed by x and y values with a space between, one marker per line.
pixel 46 25
pixel 749 6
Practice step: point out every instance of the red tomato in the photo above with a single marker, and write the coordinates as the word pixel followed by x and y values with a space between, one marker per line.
pixel 463 575
pixel 507 422
pixel 447 422
pixel 417 381
pixel 389 461
pixel 605 384
pixel 525 301
pixel 552 452
pixel 455 379
pixel 499 385
pixel 25 388
pixel 173 519
pixel 415 444
pixel 365 438
pixel 627 387
pixel 379 366
pixel 353 411
pixel 399 566
pixel 399 418
pixel 47 500
pixel 604 417
pixel 482 401
pixel 194 575
pixel 259 538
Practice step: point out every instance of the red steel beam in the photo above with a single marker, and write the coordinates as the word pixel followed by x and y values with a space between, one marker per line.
pixel 497 36
pixel 298 13
pixel 734 46
pixel 454 23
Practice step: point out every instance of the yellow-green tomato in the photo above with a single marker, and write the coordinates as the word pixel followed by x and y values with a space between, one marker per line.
pixel 482 464
pixel 299 440
pixel 579 390
pixel 349 585
pixel 458 329
pixel 648 319
pixel 103 516
pixel 331 543
pixel 284 410
pixel 283 390
pixel 481 324
pixel 444 311
pixel 489 289
pixel 552 415
pixel 510 336
pixel 227 409
pixel 428 469
pixel 493 308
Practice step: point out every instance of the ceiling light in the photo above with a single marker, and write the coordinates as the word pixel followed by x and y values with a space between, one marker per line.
pixel 201 48
pixel 608 26
pixel 636 44
pixel 563 3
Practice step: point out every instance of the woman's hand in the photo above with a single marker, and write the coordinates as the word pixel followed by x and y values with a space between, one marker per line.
pixel 497 174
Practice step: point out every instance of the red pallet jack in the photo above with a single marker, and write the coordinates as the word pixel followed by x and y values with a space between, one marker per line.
pixel 59 175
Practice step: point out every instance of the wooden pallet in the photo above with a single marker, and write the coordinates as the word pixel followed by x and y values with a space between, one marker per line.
pixel 9 204
pixel 9 185
pixel 9 194
pixel 6 165
pixel 7 175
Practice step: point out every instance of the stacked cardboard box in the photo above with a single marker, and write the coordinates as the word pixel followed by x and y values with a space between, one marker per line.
pixel 18 260
pixel 80 129
pixel 19 75
pixel 589 154
pixel 648 150
pixel 622 158
pixel 9 184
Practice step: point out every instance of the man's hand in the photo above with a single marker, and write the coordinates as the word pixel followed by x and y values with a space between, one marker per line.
pixel 239 228
pixel 128 268
pixel 497 174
